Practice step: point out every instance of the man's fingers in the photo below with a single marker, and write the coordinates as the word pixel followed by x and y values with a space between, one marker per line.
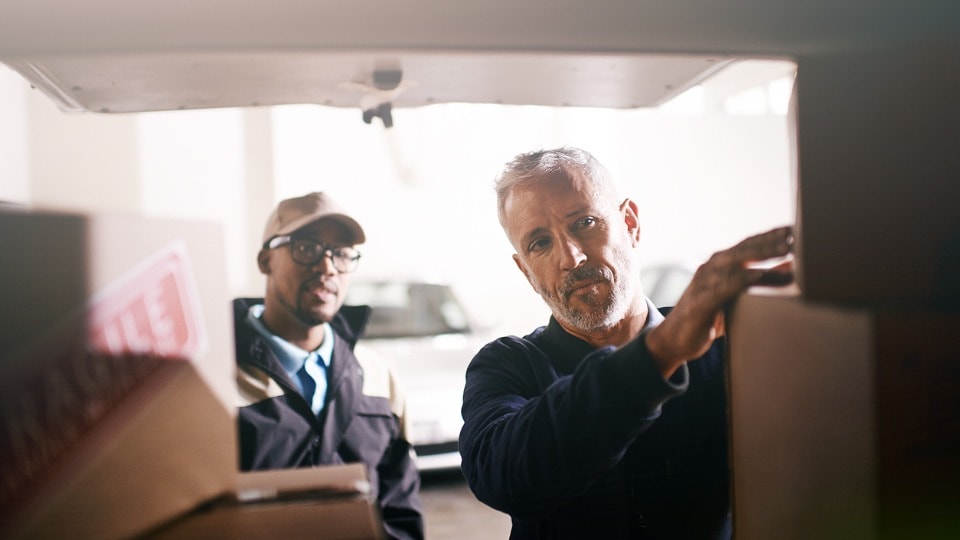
pixel 719 325
pixel 781 274
pixel 698 317
pixel 774 243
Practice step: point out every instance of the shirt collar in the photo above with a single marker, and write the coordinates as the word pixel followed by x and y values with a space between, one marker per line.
pixel 654 317
pixel 290 356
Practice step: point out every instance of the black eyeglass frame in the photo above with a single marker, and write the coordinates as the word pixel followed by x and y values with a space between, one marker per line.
pixel 344 263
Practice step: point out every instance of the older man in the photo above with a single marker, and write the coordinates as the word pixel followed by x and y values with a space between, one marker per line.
pixel 609 422
pixel 307 399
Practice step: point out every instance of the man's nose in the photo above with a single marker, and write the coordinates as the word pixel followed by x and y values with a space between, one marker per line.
pixel 571 255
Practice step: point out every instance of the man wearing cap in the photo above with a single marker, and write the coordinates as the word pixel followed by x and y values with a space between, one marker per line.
pixel 306 398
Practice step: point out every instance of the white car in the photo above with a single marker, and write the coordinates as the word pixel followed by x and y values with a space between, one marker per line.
pixel 425 332
pixel 663 284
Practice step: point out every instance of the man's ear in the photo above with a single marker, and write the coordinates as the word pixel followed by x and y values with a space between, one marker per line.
pixel 263 261
pixel 631 218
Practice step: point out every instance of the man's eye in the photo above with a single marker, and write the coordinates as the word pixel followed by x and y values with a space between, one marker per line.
pixel 306 247
pixel 587 222
pixel 538 244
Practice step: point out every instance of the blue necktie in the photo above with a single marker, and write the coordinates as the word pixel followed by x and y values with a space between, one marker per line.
pixel 313 379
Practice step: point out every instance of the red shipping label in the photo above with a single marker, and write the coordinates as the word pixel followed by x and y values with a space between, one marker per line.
pixel 154 311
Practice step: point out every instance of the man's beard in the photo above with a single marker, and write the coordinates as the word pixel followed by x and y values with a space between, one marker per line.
pixel 598 312
pixel 308 318
pixel 304 314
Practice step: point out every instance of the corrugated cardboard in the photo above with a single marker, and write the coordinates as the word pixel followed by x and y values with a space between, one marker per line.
pixel 163 449
pixel 329 503
pixel 116 363
pixel 845 423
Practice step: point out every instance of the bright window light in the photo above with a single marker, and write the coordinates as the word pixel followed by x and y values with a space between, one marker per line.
pixel 690 102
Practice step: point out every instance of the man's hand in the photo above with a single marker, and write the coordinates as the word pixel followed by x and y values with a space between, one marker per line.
pixel 697 319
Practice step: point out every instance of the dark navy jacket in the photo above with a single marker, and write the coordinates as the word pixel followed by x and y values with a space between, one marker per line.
pixel 575 442
pixel 361 420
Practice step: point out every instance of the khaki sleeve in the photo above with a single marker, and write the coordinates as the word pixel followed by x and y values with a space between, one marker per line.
pixel 379 380
pixel 253 385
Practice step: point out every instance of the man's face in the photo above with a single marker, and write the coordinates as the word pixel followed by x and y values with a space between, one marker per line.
pixel 311 295
pixel 576 249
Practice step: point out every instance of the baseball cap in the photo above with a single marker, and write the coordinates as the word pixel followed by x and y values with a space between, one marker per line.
pixel 292 214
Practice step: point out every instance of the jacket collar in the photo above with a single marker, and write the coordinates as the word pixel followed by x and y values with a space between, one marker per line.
pixel 348 324
pixel 564 349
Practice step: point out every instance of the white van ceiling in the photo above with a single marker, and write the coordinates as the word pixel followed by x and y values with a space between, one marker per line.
pixel 183 80
pixel 125 56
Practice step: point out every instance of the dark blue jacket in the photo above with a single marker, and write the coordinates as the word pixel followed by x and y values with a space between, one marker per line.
pixel 575 442
pixel 360 421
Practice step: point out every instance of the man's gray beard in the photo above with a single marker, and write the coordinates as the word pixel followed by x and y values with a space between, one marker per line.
pixel 600 313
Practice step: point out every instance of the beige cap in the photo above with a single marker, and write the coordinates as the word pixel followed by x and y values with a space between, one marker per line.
pixel 292 214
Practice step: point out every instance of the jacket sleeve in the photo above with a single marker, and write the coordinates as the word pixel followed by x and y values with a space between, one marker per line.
pixel 399 489
pixel 399 496
pixel 527 451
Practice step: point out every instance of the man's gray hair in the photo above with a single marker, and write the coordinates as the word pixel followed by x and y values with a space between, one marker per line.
pixel 541 165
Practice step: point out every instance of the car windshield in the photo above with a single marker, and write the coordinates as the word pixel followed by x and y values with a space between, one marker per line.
pixel 409 309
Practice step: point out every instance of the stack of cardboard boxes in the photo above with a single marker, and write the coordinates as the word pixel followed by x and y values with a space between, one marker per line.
pixel 117 415
pixel 845 391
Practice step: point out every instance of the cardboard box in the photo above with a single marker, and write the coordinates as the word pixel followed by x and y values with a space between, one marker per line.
pixel 845 423
pixel 116 368
pixel 878 216
pixel 329 503
pixel 161 450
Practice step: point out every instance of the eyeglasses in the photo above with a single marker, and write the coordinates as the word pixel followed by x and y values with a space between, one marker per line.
pixel 309 253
